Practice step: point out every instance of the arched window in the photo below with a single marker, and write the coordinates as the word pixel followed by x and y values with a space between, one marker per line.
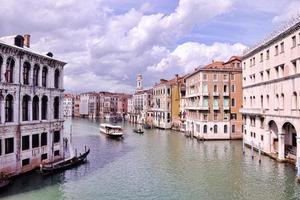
pixel 294 101
pixel 36 70
pixel 26 72
pixel 56 108
pixel 35 108
pixel 44 107
pixel 277 100
pixel 268 101
pixel 225 129
pixel 44 76
pixel 215 129
pixel 262 101
pixel 205 128
pixel 9 108
pixel 25 108
pixel 56 78
pixel 1 62
pixel 9 74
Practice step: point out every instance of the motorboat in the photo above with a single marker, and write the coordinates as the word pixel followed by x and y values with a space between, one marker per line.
pixel 111 130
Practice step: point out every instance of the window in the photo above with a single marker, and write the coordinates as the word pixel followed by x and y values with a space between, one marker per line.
pixel 294 63
pixel 225 77
pixel 261 75
pixel 56 108
pixel 233 116
pixel 225 88
pixel 35 140
pixel 215 117
pixel 233 128
pixel 204 76
pixel 268 74
pixel 233 102
pixel 44 76
pixel 232 88
pixel 9 145
pixel 215 88
pixel 254 61
pixel 35 108
pixel 261 57
pixel 294 42
pixel 276 50
pixel 44 107
pixel 44 156
pixel 268 54
pixel 56 137
pixel 225 129
pixel 25 162
pixel 9 74
pixel 232 77
pixel 56 78
pixel 56 153
pixel 205 128
pixel 281 47
pixel 36 70
pixel 44 139
pixel 262 138
pixel 25 142
pixel 215 77
pixel 26 72
pixel 9 111
pixel 215 129
pixel 25 108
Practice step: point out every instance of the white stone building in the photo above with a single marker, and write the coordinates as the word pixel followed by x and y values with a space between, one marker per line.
pixel 271 80
pixel 68 105
pixel 31 114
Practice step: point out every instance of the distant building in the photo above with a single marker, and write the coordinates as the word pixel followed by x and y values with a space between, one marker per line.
pixel 140 103
pixel 31 106
pixel 68 105
pixel 88 105
pixel 76 106
pixel 162 104
pixel 213 99
pixel 271 80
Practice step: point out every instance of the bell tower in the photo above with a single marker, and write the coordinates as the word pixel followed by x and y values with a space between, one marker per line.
pixel 139 82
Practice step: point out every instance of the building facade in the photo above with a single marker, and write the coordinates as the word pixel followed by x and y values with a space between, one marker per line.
pixel 31 111
pixel 213 100
pixel 68 105
pixel 271 78
pixel 162 104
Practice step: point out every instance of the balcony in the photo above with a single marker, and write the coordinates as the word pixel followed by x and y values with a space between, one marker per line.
pixel 216 94
pixel 205 108
pixel 226 94
pixel 253 111
pixel 226 108
pixel 216 108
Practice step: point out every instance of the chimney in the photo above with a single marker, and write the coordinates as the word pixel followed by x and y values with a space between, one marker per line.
pixel 27 40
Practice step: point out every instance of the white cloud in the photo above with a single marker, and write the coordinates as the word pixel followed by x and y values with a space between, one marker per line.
pixel 190 55
pixel 290 10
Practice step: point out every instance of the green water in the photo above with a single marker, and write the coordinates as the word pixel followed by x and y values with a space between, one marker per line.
pixel 159 165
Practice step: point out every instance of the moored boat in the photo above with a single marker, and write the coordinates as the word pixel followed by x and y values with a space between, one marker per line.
pixel 111 130
pixel 138 130
pixel 64 164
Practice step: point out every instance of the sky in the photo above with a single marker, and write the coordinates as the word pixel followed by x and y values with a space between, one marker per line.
pixel 106 43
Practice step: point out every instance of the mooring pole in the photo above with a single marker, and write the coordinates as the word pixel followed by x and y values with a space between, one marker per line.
pixel 252 153
pixel 259 153
pixel 243 147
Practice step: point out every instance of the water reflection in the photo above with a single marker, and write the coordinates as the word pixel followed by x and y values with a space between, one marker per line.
pixel 159 165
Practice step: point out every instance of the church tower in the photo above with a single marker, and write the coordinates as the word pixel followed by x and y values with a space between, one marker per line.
pixel 139 82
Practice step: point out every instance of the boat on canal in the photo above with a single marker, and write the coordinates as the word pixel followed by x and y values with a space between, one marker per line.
pixel 138 130
pixel 111 130
pixel 65 164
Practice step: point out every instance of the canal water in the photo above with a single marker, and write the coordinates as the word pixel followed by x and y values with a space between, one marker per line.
pixel 158 165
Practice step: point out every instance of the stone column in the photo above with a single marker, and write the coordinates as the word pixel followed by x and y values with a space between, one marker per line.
pixel 40 109
pixel 280 146
pixel 266 145
pixel 2 109
pixel 30 110
pixel 298 159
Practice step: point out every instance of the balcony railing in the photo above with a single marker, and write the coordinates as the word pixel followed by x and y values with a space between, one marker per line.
pixel 253 111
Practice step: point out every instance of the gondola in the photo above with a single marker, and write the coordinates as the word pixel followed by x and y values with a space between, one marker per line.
pixel 147 126
pixel 4 183
pixel 64 164
pixel 138 130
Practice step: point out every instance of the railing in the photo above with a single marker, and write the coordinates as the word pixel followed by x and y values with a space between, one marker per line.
pixel 254 111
